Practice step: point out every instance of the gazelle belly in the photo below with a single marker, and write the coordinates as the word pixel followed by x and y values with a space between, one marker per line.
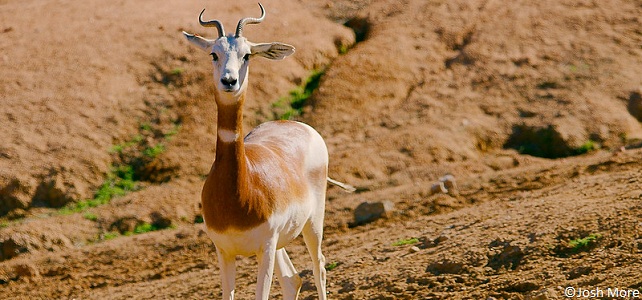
pixel 280 228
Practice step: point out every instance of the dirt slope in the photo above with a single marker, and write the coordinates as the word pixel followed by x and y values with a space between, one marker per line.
pixel 442 83
pixel 505 96
pixel 73 87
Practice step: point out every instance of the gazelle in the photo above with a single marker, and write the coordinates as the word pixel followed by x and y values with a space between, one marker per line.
pixel 267 188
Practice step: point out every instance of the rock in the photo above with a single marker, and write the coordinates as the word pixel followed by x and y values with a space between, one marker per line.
pixel 446 185
pixel 414 249
pixel 17 244
pixel 450 184
pixel 440 239
pixel 161 219
pixel 438 188
pixel 13 244
pixel 16 214
pixel 15 193
pixel 578 272
pixel 125 224
pixel 57 188
pixel 26 270
pixel 509 258
pixel 541 295
pixel 367 212
pixel 635 104
pixel 445 267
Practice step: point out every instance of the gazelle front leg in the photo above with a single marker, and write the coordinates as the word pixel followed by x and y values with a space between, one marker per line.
pixel 227 265
pixel 266 260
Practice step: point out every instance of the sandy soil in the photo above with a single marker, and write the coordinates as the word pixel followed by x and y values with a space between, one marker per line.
pixel 534 107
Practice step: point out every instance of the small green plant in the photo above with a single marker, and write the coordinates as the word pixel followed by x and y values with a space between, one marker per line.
pixel 177 71
pixel 172 132
pixel 292 105
pixel 584 243
pixel 80 206
pixel 4 224
pixel 119 148
pixel 90 217
pixel 198 219
pixel 331 266
pixel 130 167
pixel 145 127
pixel 343 49
pixel 409 241
pixel 110 235
pixel 587 147
pixel 154 151
pixel 145 227
pixel 119 182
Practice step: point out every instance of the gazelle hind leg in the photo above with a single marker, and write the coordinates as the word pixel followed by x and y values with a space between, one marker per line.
pixel 288 277
pixel 313 235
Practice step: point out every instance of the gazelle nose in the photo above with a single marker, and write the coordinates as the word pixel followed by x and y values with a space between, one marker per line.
pixel 228 81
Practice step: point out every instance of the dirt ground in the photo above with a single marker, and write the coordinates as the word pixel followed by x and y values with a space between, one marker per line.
pixel 533 106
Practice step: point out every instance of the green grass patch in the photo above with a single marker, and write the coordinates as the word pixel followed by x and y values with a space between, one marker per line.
pixel 80 206
pixel 118 183
pixel 291 106
pixel 90 217
pixel 146 227
pixel 119 148
pixel 145 127
pixel 177 71
pixel 4 224
pixel 110 235
pixel 172 132
pixel 575 246
pixel 154 151
pixel 198 219
pixel 132 161
pixel 142 228
pixel 587 147
pixel 409 241
pixel 582 244
pixel 343 49
pixel 331 266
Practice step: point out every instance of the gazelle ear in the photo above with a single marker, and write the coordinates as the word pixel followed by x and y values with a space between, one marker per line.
pixel 199 41
pixel 276 51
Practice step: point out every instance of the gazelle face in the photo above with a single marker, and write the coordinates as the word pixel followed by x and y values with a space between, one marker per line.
pixel 230 58
pixel 231 54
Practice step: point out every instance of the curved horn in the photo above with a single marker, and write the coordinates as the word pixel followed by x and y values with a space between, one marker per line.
pixel 245 21
pixel 212 23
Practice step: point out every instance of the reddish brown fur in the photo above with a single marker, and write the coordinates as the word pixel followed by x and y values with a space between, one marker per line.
pixel 255 177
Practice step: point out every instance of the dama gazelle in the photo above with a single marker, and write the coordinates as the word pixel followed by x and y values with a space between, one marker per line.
pixel 267 188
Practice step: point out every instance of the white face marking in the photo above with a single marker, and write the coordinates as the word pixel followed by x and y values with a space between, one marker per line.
pixel 227 136
pixel 230 57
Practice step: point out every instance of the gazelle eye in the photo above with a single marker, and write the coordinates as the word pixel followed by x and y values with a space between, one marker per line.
pixel 214 56
pixel 246 57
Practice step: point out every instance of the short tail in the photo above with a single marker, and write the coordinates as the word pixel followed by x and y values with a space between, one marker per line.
pixel 346 187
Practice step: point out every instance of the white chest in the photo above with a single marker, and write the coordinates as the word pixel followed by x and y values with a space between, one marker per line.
pixel 282 228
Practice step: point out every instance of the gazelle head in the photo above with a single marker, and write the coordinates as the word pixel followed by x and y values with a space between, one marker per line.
pixel 231 53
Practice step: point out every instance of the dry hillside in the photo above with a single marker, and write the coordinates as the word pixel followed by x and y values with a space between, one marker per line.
pixel 108 129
